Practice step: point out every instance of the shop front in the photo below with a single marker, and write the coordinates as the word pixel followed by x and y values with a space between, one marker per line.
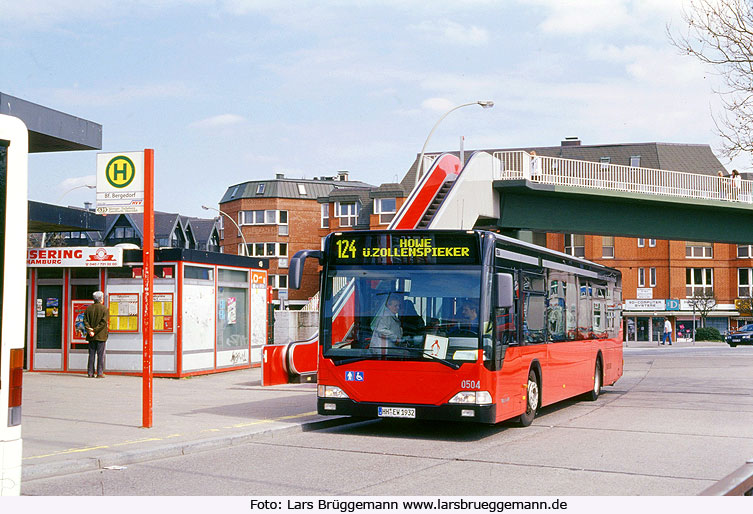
pixel 209 310
pixel 644 319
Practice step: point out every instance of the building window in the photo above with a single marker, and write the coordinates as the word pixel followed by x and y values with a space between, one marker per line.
pixel 348 213
pixel 282 229
pixel 744 251
pixel 696 250
pixel 385 208
pixel 575 245
pixel 260 189
pixel 641 242
pixel 302 189
pixel 652 243
pixel 745 282
pixel 325 215
pixel 698 281
pixel 267 249
pixel 641 277
pixel 267 217
pixel 652 277
pixel 278 281
pixel 635 161
pixel 235 190
pixel 605 161
pixel 607 247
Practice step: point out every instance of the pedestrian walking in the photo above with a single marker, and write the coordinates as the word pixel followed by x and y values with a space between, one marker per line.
pixel 96 322
pixel 667 332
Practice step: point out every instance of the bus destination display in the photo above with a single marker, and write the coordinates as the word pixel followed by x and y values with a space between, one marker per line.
pixel 405 249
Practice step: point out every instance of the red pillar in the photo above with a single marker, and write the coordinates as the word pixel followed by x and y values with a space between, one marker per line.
pixel 148 280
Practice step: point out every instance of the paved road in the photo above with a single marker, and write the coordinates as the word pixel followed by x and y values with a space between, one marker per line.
pixel 679 420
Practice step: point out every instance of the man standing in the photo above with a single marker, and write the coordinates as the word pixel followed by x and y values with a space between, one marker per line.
pixel 96 321
pixel 667 332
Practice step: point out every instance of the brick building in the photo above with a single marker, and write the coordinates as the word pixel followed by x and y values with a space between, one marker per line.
pixel 278 217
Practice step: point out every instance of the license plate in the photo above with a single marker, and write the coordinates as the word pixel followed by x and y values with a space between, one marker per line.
pixel 397 412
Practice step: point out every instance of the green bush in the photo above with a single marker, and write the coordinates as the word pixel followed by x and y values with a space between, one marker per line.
pixel 708 334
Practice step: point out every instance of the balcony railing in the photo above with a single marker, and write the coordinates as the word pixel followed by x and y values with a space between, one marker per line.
pixel 515 165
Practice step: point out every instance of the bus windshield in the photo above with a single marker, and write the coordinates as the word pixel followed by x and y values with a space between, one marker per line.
pixel 404 312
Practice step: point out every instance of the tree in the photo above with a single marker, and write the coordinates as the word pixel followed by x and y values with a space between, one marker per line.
pixel 720 33
pixel 703 302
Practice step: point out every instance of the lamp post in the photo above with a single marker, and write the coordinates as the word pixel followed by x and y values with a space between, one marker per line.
pixel 88 186
pixel 486 104
pixel 245 244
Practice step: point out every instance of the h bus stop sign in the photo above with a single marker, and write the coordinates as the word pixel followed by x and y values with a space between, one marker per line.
pixel 120 183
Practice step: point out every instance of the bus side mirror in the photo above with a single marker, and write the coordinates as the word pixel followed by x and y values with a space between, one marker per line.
pixel 295 269
pixel 505 293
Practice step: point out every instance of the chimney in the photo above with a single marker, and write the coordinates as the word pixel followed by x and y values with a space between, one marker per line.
pixel 342 176
pixel 88 206
pixel 571 141
pixel 278 176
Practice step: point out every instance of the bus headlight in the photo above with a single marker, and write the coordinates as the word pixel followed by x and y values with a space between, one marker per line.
pixel 325 391
pixel 472 397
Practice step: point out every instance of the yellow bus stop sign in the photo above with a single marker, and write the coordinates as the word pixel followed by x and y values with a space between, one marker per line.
pixel 120 171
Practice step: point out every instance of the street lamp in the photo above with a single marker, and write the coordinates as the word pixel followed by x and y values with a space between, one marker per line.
pixel 245 244
pixel 487 104
pixel 88 186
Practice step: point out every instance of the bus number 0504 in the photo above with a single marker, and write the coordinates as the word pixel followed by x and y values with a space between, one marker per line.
pixel 470 384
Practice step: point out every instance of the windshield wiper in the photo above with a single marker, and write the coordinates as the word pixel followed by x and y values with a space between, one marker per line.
pixel 339 361
pixel 349 360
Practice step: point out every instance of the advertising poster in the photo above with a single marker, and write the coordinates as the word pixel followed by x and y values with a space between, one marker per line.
pixel 78 331
pixel 52 305
pixel 231 312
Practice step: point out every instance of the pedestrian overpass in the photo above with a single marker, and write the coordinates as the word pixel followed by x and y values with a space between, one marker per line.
pixel 514 190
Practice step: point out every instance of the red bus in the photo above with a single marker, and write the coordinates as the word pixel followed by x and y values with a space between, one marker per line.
pixel 460 325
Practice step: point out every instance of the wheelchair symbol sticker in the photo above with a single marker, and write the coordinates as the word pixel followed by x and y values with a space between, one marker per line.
pixel 354 376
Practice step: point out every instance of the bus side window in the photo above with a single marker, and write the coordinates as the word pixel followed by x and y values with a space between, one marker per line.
pixel 534 308
pixel 585 293
pixel 556 315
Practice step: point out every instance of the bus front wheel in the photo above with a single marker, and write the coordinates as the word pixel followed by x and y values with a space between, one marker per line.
pixel 532 400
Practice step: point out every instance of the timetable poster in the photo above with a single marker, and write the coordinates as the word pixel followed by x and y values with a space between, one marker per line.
pixel 162 312
pixel 124 312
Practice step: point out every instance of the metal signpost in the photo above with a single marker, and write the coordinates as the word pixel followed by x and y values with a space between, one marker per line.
pixel 125 185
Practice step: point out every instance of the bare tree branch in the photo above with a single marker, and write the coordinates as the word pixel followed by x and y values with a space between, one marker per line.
pixel 720 33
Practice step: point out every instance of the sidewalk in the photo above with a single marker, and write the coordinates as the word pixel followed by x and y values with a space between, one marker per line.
pixel 72 423
pixel 682 343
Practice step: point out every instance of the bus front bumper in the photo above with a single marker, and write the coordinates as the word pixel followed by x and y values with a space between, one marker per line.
pixel 447 411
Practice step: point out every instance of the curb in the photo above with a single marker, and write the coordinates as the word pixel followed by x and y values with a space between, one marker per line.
pixel 31 472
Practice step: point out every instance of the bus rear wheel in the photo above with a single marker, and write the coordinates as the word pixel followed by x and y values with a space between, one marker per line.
pixel 532 400
pixel 593 394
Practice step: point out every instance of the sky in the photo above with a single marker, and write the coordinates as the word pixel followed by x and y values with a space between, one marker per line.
pixel 227 91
